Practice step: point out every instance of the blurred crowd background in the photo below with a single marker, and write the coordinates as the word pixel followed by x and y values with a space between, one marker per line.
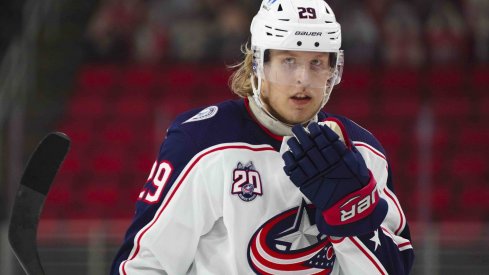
pixel 113 74
pixel 375 32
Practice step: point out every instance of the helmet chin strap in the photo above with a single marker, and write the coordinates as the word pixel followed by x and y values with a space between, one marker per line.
pixel 259 102
pixel 327 93
pixel 257 92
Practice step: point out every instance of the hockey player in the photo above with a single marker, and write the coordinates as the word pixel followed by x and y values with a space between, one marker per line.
pixel 269 183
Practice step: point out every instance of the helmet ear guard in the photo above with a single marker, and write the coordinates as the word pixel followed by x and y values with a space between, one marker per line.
pixel 339 64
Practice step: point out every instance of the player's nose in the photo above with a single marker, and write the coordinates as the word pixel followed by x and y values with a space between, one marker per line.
pixel 302 76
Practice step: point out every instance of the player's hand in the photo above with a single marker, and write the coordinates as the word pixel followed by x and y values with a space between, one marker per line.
pixel 322 166
pixel 335 178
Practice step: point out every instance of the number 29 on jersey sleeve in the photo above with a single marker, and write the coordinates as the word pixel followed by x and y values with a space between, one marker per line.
pixel 159 176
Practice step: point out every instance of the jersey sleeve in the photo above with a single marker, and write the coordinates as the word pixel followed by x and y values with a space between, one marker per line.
pixel 176 206
pixel 388 248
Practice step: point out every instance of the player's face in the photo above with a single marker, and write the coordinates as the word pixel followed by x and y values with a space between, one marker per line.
pixel 294 84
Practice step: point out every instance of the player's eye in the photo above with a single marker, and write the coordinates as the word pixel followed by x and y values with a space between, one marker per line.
pixel 289 60
pixel 316 62
pixel 319 65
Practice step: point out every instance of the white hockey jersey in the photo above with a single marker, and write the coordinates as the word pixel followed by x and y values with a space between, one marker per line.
pixel 217 201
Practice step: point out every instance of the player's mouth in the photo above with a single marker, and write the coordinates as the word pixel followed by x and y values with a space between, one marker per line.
pixel 300 99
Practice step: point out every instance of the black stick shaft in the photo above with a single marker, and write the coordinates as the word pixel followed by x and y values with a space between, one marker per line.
pixel 29 201
pixel 23 228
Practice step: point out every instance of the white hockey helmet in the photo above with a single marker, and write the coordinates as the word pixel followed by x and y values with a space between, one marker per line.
pixel 296 25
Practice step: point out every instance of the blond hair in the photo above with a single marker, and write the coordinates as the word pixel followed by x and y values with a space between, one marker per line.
pixel 240 80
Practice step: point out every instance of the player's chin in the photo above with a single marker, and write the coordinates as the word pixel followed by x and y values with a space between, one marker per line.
pixel 299 116
pixel 304 110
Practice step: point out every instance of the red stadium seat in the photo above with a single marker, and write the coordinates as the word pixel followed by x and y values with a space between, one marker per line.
pixel 395 81
pixel 142 163
pixel 480 79
pixel 107 161
pixel 452 108
pixel 483 108
pixel 142 78
pixel 216 77
pixel 469 167
pixel 118 133
pixel 357 79
pixel 441 201
pixel 400 106
pixel 435 168
pixel 133 107
pixel 390 136
pixel 215 86
pixel 174 104
pixel 58 200
pixel 98 79
pixel 184 76
pixel 475 137
pixel 73 163
pixel 80 131
pixel 444 81
pixel 441 138
pixel 87 106
pixel 101 195
pixel 474 202
pixel 128 196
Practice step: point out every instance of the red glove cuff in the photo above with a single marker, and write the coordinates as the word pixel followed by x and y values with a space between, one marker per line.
pixel 355 206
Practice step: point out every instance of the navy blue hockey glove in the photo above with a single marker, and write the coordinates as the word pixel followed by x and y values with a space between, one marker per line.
pixel 335 178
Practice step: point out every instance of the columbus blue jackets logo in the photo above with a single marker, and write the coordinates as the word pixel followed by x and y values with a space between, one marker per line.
pixel 291 242
pixel 246 182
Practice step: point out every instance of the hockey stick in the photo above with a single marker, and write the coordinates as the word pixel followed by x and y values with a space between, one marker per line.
pixel 29 201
